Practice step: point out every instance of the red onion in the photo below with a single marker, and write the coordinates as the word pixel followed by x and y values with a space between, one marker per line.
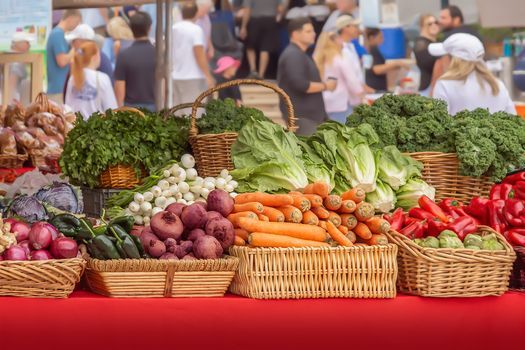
pixel 1 257
pixel 25 245
pixel 64 248
pixel 40 236
pixel 15 253
pixel 20 229
pixel 41 255
pixel 54 231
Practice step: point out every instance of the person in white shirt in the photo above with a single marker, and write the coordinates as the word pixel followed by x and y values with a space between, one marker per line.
pixel 467 83
pixel 191 74
pixel 332 64
pixel 342 7
pixel 89 91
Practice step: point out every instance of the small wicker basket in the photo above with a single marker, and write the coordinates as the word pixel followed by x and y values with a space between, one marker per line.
pixel 444 272
pixel 441 170
pixel 212 152
pixel 40 278
pixel 150 278
pixel 316 272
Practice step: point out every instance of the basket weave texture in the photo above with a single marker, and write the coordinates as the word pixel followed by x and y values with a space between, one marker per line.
pixel 517 279
pixel 316 272
pixel 212 152
pixel 444 272
pixel 441 170
pixel 12 161
pixel 40 279
pixel 150 278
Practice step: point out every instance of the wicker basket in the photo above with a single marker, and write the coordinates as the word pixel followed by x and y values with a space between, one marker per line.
pixel 40 279
pixel 443 272
pixel 441 170
pixel 95 200
pixel 316 272
pixel 517 279
pixel 212 152
pixel 13 162
pixel 149 278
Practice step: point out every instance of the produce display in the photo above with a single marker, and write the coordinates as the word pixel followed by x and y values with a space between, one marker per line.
pixel 485 144
pixel 267 158
pixel 39 129
pixel 107 139
pixel 175 183
pixel 313 217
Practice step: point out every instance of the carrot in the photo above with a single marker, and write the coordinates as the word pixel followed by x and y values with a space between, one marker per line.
pixel 334 218
pixel 308 232
pixel 309 189
pixel 322 224
pixel 362 231
pixel 243 214
pixel 360 244
pixel 273 214
pixel 242 233
pixel 377 240
pixel 356 194
pixel 337 235
pixel 351 236
pixel 344 230
pixel 319 188
pixel 295 193
pixel 309 218
pixel 332 202
pixel 258 239
pixel 378 225
pixel 291 214
pixel 348 206
pixel 315 200
pixel 364 211
pixel 269 200
pixel 256 207
pixel 263 217
pixel 348 220
pixel 321 212
pixel 301 203
pixel 239 241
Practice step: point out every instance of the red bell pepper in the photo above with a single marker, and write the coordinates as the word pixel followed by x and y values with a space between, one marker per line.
pixel 501 191
pixel 478 209
pixel 463 226
pixel 516 236
pixel 398 219
pixel 514 209
pixel 495 215
pixel 421 214
pixel 415 230
pixel 428 205
pixel 449 204
pixel 519 189
pixel 512 179
pixel 435 227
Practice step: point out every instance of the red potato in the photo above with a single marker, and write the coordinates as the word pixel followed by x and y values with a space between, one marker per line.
pixel 165 224
pixel 222 230
pixel 220 201
pixel 207 247
pixel 156 249
pixel 196 233
pixel 193 216
pixel 168 256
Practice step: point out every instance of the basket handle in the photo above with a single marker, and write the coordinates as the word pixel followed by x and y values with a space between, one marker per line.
pixel 172 110
pixel 291 114
pixel 43 100
pixel 129 109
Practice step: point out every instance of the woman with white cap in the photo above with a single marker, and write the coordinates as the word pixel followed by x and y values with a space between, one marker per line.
pixel 468 83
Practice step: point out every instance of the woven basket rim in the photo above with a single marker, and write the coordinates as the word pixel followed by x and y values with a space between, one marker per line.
pixel 309 249
pixel 40 262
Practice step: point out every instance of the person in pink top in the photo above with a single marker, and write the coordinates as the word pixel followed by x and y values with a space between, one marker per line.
pixel 332 64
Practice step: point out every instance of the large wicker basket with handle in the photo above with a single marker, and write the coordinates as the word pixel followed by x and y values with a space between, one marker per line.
pixel 443 272
pixel 40 278
pixel 441 170
pixel 121 176
pixel 316 272
pixel 212 152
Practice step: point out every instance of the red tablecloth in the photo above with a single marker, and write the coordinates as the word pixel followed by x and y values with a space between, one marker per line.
pixel 87 321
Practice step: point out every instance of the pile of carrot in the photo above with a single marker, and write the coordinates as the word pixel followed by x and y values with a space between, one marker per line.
pixel 310 217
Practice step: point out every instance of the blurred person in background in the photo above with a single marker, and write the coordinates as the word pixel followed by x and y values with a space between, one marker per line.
pixel 375 75
pixel 226 70
pixel 298 76
pixel 96 18
pixel 58 54
pixel 260 30
pixel 135 68
pixel 19 82
pixel 343 7
pixel 452 21
pixel 468 83
pixel 121 37
pixel 429 30
pixel 89 91
pixel 328 56
pixel 203 20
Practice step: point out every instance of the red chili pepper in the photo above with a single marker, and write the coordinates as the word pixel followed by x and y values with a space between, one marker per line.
pixel 449 204
pixel 478 209
pixel 387 217
pixel 409 220
pixel 513 210
pixel 414 230
pixel 495 215
pixel 398 219
pixel 512 179
pixel 519 189
pixel 421 214
pixel 435 227
pixel 501 191
pixel 462 226
pixel 428 205
pixel 516 236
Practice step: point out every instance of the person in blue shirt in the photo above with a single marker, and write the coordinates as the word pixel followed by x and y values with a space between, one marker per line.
pixel 59 55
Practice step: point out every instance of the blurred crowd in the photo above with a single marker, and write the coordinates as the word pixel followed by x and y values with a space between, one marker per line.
pixel 327 62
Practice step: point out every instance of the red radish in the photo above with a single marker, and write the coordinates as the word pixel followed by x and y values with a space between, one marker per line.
pixel 64 248
pixel 41 255
pixel 15 253
pixel 25 245
pixel 40 236
pixel 166 225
